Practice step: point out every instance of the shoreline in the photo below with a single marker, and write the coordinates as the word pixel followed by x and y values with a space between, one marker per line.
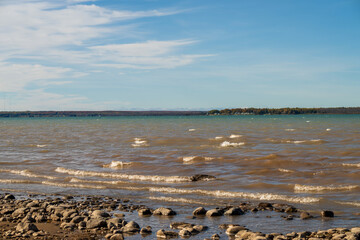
pixel 41 216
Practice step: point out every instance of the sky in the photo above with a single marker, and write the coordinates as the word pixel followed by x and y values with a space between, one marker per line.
pixel 178 54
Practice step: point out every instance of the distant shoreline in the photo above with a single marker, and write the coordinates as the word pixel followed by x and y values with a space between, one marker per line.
pixel 233 111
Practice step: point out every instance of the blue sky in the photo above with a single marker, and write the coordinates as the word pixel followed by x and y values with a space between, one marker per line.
pixel 178 54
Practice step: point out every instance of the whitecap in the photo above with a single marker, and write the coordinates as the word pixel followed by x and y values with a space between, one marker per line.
pixel 170 199
pixel 71 185
pixel 235 136
pixel 356 204
pixel 117 164
pixel 192 130
pixel 190 159
pixel 328 129
pixel 41 145
pixel 312 188
pixel 26 173
pixel 351 164
pixel 285 170
pixel 290 129
pixel 230 144
pixel 140 142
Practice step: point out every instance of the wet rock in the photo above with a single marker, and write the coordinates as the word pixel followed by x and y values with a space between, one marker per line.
pixel 117 236
pixel 99 214
pixel 164 211
pixel 69 213
pixel 184 233
pixel 234 211
pixel 115 223
pixel 200 228
pixel 355 230
pixel 96 223
pixel 199 211
pixel 24 227
pixel 19 212
pixel 265 206
pixel 77 219
pixel 327 214
pixel 244 234
pixel 233 230
pixel 82 225
pixel 144 212
pixel 180 225
pixel 9 197
pixel 66 225
pixel 131 227
pixel 215 237
pixel 214 212
pixel 305 215
pixel 146 230
pixel 166 234
pixel 290 209
pixel 201 177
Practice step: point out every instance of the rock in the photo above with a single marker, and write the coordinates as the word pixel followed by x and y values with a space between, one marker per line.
pixel 199 211
pixel 115 223
pixel 200 177
pixel 233 230
pixel 166 234
pixel 66 225
pixel 131 227
pixel 180 225
pixel 265 206
pixel 69 213
pixel 184 233
pixel 146 230
pixel 144 212
pixel 305 215
pixel 9 197
pixel 82 225
pixel 290 209
pixel 327 214
pixel 19 212
pixel 215 237
pixel 355 230
pixel 164 211
pixel 214 212
pixel 24 227
pixel 96 223
pixel 77 219
pixel 117 236
pixel 244 234
pixel 99 214
pixel 234 211
pixel 200 228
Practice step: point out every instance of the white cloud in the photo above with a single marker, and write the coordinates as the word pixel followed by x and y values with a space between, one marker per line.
pixel 15 77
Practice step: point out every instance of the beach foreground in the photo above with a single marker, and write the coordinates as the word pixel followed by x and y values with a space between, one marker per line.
pixel 100 217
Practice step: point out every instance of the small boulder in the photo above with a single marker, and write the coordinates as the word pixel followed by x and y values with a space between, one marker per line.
pixel 164 211
pixel 305 215
pixel 99 214
pixel 184 233
pixel 24 227
pixel 180 225
pixel 199 211
pixel 96 223
pixel 234 230
pixel 166 234
pixel 202 177
pixel 214 212
pixel 234 211
pixel 131 227
pixel 9 197
pixel 215 237
pixel 327 214
pixel 144 212
pixel 117 236
pixel 146 230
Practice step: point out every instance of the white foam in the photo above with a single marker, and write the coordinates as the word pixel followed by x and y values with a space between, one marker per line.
pixel 351 164
pixel 307 121
pixel 71 185
pixel 18 181
pixel 139 142
pixel 193 158
pixel 226 194
pixel 311 188
pixel 117 164
pixel 170 199
pixel 328 129
pixel 356 204
pixel 41 146
pixel 304 141
pixel 290 129
pixel 26 173
pixel 192 130
pixel 285 170
pixel 150 178
pixel 235 136
pixel 230 144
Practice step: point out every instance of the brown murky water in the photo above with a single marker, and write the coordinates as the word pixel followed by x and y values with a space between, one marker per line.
pixel 310 161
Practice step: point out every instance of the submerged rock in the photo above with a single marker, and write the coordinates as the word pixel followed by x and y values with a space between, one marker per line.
pixel 199 211
pixel 214 212
pixel 234 211
pixel 202 177
pixel 164 211
pixel 305 215
pixel 327 214
pixel 166 234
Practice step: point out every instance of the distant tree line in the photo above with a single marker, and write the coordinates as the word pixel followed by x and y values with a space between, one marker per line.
pixel 271 111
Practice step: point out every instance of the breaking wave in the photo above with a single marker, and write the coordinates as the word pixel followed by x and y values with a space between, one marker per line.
pixel 170 199
pixel 72 185
pixel 246 195
pixel 26 173
pixel 140 142
pixel 196 158
pixel 230 144
pixel 117 164
pixel 311 188
pixel 235 136
pixel 351 164
pixel 154 178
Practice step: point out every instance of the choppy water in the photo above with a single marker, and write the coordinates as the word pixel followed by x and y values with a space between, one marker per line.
pixel 310 161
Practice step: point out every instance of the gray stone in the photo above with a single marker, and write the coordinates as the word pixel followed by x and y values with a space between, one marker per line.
pixel 327 214
pixel 305 215
pixel 117 236
pixel 215 237
pixel 146 230
pixel 99 214
pixel 200 228
pixel 180 225
pixel 19 212
pixel 184 233
pixel 115 223
pixel 9 197
pixel 144 212
pixel 96 223
pixel 77 219
pixel 234 211
pixel 66 225
pixel 234 230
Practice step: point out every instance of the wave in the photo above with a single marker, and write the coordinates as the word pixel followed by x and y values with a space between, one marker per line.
pixel 41 145
pixel 356 204
pixel 311 188
pixel 289 129
pixel 77 180
pixel 351 164
pixel 117 164
pixel 170 199
pixel 18 181
pixel 72 185
pixel 285 170
pixel 235 136
pixel 154 178
pixel 230 144
pixel 140 142
pixel 26 173
pixel 192 130
pixel 328 129
pixel 196 158
pixel 246 195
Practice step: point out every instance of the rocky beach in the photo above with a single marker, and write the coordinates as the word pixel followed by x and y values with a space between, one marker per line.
pixel 37 216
